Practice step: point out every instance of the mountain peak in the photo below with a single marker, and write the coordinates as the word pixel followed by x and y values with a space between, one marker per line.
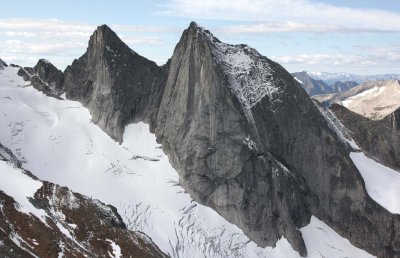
pixel 193 25
pixel 45 63
pixel 105 38
pixel 2 63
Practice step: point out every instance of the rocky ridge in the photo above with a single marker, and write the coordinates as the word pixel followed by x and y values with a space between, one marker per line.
pixel 71 224
pixel 312 86
pixel 374 100
pixel 44 77
pixel 315 86
pixel 379 139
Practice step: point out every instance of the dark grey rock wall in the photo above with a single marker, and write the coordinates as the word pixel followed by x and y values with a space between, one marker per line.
pixel 380 139
pixel 266 167
pixel 115 83
pixel 312 86
pixel 44 77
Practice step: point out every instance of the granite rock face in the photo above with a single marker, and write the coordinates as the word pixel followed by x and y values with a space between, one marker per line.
pixel 44 77
pixel 242 133
pixel 115 83
pixel 393 120
pixel 205 130
pixel 380 139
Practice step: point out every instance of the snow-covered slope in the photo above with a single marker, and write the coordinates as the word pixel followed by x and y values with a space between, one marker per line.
pixel 376 102
pixel 41 219
pixel 382 183
pixel 57 142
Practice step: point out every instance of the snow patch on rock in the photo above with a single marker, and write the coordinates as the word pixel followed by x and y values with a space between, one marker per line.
pixel 249 73
pixel 382 183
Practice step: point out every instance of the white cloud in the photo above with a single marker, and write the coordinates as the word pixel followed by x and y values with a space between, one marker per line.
pixel 43 48
pixel 24 40
pixel 55 25
pixel 389 56
pixel 25 34
pixel 142 40
pixel 303 15
pixel 45 25
pixel 290 26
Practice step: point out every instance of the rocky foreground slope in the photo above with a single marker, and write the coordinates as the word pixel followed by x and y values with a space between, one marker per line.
pixel 242 133
pixel 56 222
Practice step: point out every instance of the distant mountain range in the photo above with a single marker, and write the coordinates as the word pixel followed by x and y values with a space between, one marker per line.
pixel 331 78
pixel 315 86
pixel 373 100
pixel 316 83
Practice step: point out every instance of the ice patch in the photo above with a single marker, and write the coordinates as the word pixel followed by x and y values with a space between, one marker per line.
pixel 249 73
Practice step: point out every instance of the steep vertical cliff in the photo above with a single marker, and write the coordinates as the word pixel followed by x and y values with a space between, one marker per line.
pixel 380 139
pixel 114 82
pixel 243 135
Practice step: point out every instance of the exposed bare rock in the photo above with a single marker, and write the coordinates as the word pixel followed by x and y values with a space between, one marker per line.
pixel 242 133
pixel 374 100
pixel 393 120
pixel 2 64
pixel 379 139
pixel 312 86
pixel 44 77
pixel 74 225
pixel 117 85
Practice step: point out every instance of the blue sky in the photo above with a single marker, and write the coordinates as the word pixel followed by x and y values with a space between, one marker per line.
pixel 361 37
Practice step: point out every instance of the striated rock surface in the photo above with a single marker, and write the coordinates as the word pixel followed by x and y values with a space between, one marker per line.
pixel 393 120
pixel 71 225
pixel 116 84
pixel 242 133
pixel 379 139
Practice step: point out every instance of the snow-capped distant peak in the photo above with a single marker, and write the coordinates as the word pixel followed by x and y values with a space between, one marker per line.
pixel 343 77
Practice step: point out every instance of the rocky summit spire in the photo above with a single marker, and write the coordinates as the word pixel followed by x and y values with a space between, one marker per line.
pixel 113 81
pixel 248 141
